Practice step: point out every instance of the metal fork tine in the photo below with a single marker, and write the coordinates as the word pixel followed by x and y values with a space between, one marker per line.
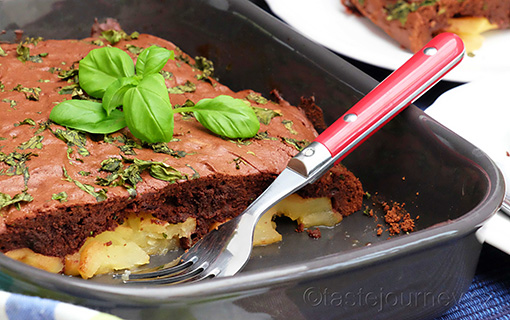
pixel 164 271
pixel 172 279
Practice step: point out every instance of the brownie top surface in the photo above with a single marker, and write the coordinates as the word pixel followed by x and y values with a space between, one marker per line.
pixel 37 162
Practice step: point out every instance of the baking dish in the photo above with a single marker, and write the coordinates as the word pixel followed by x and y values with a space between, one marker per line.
pixel 349 273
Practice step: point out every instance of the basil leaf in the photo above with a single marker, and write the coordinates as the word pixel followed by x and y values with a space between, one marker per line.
pixel 148 110
pixel 101 67
pixel 152 60
pixel 87 116
pixel 114 94
pixel 227 117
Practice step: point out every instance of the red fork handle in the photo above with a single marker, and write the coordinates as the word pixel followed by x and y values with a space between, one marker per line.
pixel 393 95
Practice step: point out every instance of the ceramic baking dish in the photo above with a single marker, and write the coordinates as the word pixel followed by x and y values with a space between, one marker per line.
pixel 350 272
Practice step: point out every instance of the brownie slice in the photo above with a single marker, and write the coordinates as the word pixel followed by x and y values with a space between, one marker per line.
pixel 413 23
pixel 52 179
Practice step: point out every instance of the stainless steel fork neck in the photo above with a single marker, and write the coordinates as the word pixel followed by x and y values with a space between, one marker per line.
pixel 304 168
pixel 312 161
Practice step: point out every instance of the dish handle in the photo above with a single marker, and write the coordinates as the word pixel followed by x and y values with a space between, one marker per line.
pixel 495 232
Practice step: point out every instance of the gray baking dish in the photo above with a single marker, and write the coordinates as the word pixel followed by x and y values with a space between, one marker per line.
pixel 349 273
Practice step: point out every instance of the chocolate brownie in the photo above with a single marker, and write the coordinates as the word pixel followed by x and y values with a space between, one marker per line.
pixel 53 180
pixel 413 23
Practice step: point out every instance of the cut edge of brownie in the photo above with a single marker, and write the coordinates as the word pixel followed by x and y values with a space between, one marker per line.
pixel 429 18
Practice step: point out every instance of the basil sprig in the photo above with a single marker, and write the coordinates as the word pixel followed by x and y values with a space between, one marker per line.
pixel 109 74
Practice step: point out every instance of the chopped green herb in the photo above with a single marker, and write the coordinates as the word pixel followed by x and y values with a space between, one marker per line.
pixel 195 175
pixel 27 121
pixel 298 144
pixel 238 162
pixel 7 200
pixel 288 124
pixel 23 51
pixel 114 36
pixel 43 125
pixel 264 115
pixel 2 52
pixel 187 87
pixel 97 43
pixel 84 173
pixel 401 9
pixel 206 66
pixel 129 177
pixel 30 93
pixel 100 196
pixel 54 70
pixel 71 74
pixel 69 89
pixel 166 74
pixel 164 172
pixel 163 147
pixel 34 143
pixel 239 142
pixel 256 97
pixel 126 146
pixel 17 164
pixel 182 57
pixel 264 136
pixel 73 138
pixel 111 165
pixel 61 196
pixel 12 103
pixel 134 49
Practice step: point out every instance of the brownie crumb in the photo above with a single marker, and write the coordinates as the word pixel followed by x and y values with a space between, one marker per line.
pixel 398 219
pixel 300 228
pixel 314 233
pixel 379 229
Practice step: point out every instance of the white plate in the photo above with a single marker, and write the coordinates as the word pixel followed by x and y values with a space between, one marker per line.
pixel 480 113
pixel 326 22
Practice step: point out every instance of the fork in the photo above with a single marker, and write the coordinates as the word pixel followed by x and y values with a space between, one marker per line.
pixel 224 251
